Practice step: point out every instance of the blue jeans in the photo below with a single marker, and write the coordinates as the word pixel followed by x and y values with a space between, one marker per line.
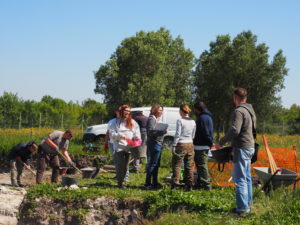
pixel 154 162
pixel 242 178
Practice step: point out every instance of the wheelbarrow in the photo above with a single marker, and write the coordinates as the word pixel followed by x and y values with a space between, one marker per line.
pixel 282 177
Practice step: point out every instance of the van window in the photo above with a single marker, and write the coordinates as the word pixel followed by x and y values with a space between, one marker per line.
pixel 146 112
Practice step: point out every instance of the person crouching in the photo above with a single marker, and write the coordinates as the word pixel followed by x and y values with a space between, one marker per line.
pixel 19 156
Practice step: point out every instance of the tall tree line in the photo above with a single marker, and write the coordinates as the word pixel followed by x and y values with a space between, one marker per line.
pixel 49 112
pixel 153 67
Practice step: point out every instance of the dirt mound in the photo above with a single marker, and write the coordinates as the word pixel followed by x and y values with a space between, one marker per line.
pixel 103 210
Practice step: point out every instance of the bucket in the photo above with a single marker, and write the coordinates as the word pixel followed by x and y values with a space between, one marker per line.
pixel 71 170
pixel 63 170
pixel 89 172
pixel 68 181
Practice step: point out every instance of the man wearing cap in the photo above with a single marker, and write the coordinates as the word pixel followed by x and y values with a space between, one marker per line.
pixel 19 156
pixel 48 154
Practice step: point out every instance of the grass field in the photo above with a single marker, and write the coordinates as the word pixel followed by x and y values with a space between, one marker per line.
pixel 11 137
pixel 166 206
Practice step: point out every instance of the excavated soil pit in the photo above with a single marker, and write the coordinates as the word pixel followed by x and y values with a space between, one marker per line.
pixel 102 210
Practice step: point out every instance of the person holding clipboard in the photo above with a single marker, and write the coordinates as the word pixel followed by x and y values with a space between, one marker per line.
pixel 155 134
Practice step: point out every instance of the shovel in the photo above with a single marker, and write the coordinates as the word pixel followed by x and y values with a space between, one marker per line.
pixel 67 161
pixel 27 167
pixel 53 145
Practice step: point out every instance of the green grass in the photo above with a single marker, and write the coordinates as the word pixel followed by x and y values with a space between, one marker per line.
pixel 166 206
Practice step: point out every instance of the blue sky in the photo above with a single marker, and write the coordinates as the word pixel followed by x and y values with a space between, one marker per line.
pixel 53 47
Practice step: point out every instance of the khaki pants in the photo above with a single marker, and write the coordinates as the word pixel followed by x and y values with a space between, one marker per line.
pixel 43 161
pixel 185 152
pixel 16 170
pixel 122 161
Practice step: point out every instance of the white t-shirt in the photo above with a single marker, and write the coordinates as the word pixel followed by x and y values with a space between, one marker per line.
pixel 109 124
pixel 118 129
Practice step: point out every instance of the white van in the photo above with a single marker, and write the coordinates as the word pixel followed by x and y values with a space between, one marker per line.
pixel 170 116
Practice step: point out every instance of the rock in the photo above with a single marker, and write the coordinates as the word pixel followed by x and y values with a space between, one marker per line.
pixel 73 186
pixel 10 201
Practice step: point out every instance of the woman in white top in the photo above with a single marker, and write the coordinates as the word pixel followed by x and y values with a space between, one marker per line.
pixel 122 131
pixel 183 148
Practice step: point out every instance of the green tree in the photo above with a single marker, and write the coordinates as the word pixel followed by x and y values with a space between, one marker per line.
pixel 294 119
pixel 147 68
pixel 30 113
pixel 240 62
pixel 93 112
pixel 10 108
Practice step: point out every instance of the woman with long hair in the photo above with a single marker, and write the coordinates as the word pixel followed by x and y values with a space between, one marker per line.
pixel 154 147
pixel 124 131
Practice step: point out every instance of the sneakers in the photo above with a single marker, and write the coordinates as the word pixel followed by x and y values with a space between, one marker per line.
pixel 237 212
pixel 188 188
pixel 122 186
pixel 152 186
pixel 157 186
pixel 174 186
pixel 147 187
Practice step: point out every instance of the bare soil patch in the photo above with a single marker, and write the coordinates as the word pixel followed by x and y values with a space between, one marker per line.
pixel 100 211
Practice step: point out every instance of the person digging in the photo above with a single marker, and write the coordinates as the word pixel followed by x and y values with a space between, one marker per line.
pixel 18 157
pixel 48 154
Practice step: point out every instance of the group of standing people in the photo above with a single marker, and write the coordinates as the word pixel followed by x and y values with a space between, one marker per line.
pixel 123 132
pixel 142 138
pixel 191 146
pixel 193 141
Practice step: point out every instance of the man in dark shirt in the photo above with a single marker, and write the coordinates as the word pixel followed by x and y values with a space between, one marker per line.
pixel 19 156
pixel 203 141
pixel 140 152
